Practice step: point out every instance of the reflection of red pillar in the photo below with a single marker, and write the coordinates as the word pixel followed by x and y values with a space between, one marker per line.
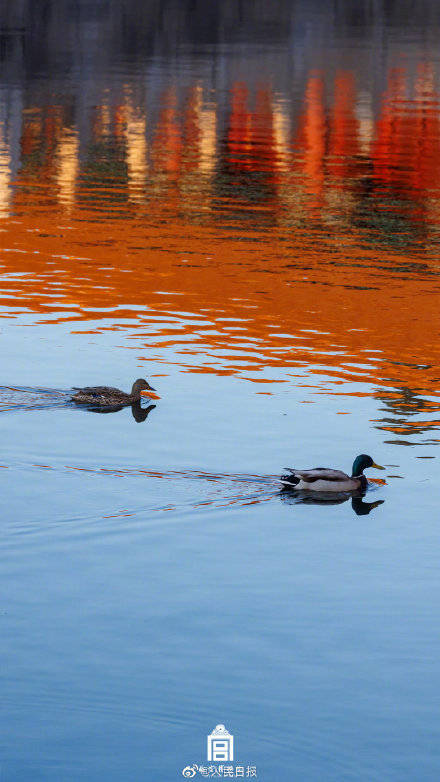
pixel 251 138
pixel 30 137
pixel 343 137
pixel 167 146
pixel 312 139
pixel 384 149
pixel 265 157
pixel 426 133
pixel 239 132
pixel 50 134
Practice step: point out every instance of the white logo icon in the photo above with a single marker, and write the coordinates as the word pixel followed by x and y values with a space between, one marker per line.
pixel 190 771
pixel 220 745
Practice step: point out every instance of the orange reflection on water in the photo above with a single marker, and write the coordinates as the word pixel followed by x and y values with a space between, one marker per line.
pixel 312 140
pixel 155 221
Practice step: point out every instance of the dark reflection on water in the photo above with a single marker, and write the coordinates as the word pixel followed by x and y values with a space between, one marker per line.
pixel 403 408
pixel 130 31
pixel 359 505
pixel 138 412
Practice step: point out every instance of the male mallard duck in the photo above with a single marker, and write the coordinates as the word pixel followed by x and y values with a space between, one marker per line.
pixel 324 479
pixel 105 395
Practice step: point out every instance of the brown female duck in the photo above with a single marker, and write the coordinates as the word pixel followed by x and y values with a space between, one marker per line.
pixel 108 396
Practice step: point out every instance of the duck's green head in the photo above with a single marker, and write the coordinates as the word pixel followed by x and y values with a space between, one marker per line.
pixel 362 462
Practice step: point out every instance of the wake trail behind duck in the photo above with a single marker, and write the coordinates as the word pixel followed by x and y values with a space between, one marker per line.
pixel 14 398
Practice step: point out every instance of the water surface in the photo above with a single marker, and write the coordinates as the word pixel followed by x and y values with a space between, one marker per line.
pixel 242 206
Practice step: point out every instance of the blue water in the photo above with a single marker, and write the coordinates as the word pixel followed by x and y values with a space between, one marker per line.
pixel 141 606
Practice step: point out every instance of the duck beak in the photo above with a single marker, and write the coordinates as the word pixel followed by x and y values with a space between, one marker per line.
pixel 150 392
pixel 377 466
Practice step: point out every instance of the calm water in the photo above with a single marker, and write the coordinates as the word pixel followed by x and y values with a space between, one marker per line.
pixel 241 203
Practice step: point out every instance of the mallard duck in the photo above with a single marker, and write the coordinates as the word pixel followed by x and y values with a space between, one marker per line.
pixel 325 479
pixel 105 395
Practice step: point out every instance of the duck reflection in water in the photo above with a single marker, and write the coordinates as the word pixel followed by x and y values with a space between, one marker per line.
pixel 360 507
pixel 138 412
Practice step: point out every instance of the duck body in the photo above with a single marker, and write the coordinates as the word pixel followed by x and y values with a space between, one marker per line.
pixel 107 396
pixel 325 479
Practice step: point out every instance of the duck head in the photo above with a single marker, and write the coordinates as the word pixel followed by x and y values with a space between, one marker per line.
pixel 361 463
pixel 142 388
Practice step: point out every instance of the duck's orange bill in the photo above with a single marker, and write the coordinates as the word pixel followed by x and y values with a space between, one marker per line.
pixel 150 394
pixel 377 466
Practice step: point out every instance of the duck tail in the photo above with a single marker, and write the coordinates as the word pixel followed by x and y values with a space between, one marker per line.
pixel 289 480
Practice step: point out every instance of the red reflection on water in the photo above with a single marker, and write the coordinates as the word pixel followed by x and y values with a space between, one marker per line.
pixel 343 135
pixel 258 230
pixel 312 140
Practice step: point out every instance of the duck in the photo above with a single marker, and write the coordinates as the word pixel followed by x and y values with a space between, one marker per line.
pixel 112 397
pixel 325 479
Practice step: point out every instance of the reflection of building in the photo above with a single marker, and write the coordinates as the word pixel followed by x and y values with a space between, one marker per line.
pixel 10 131
pixel 67 169
pixel 5 176
pixel 325 190
pixel 136 152
pixel 323 163
pixel 220 745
